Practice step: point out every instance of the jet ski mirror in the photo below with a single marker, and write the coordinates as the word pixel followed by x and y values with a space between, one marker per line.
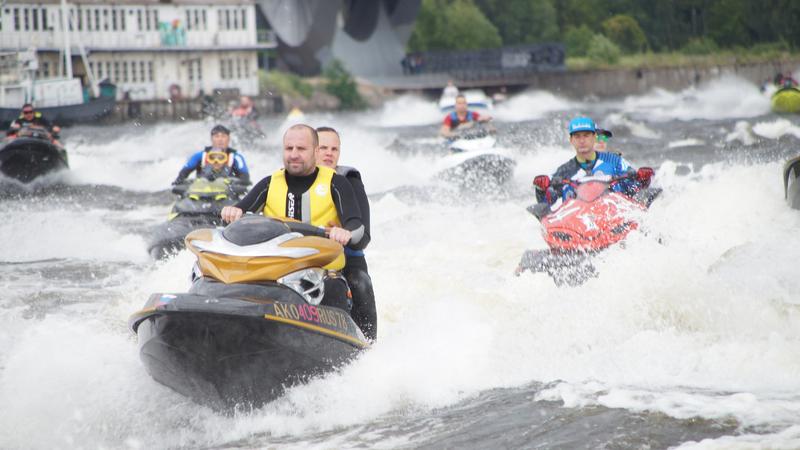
pixel 542 182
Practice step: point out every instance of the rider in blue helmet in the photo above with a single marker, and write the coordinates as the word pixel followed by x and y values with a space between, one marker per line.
pixel 587 162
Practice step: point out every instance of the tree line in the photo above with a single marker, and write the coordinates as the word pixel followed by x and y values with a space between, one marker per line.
pixel 608 28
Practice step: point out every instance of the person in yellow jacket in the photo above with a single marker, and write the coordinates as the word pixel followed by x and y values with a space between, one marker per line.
pixel 306 192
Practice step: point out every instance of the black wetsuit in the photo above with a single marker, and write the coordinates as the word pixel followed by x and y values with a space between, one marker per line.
pixel 38 121
pixel 356 271
pixel 343 198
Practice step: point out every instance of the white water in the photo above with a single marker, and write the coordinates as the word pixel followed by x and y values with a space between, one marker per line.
pixel 704 324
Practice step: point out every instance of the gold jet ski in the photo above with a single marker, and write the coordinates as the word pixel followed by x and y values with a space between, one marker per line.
pixel 266 310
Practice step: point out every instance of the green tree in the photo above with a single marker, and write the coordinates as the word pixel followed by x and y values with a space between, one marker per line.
pixel 341 85
pixel 577 40
pixel 626 33
pixel 602 50
pixel 452 25
pixel 727 23
pixel 522 21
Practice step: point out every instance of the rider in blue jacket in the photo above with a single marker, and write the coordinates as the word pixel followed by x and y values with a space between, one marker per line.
pixel 588 163
pixel 201 162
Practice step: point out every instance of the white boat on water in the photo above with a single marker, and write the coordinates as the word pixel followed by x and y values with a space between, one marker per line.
pixel 477 100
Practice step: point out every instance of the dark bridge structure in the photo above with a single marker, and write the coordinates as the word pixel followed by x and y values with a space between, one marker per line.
pixel 369 37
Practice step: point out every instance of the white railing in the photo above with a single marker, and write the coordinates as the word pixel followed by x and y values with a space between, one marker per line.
pixel 147 40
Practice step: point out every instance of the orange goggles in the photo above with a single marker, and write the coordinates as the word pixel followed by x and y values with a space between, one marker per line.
pixel 217 157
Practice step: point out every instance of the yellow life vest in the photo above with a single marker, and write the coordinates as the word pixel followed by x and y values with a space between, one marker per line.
pixel 317 204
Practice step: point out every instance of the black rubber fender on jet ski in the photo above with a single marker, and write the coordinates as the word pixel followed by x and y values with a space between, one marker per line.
pixel 240 344
pixel 26 158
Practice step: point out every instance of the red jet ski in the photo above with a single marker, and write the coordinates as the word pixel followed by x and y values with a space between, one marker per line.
pixel 595 218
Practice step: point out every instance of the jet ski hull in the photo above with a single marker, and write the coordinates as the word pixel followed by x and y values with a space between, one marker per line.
pixel 240 351
pixel 786 100
pixel 791 182
pixel 26 158
pixel 473 172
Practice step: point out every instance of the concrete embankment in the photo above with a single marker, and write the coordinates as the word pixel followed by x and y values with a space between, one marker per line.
pixel 621 82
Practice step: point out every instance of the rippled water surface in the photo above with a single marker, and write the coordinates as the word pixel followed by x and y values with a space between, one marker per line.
pixel 690 336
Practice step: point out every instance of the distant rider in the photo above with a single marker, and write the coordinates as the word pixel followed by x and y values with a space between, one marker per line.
pixel 203 162
pixel 29 117
pixel 587 163
pixel 309 193
pixel 355 270
pixel 784 81
pixel 460 117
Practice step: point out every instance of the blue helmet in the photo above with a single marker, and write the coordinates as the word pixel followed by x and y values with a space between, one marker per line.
pixel 581 124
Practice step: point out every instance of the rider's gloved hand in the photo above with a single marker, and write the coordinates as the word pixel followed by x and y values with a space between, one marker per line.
pixel 568 192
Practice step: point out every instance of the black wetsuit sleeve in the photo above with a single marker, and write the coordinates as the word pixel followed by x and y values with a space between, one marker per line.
pixel 349 214
pixel 363 201
pixel 184 173
pixel 255 199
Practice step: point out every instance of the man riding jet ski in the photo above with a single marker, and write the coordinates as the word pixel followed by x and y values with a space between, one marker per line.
pixel 259 317
pixel 31 147
pixel 308 193
pixel 587 205
pixel 221 179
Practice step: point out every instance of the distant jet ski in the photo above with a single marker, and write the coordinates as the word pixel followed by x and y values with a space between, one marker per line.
pixel 474 163
pixel 31 154
pixel 791 182
pixel 200 202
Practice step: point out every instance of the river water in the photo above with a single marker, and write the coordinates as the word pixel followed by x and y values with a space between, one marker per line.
pixel 689 338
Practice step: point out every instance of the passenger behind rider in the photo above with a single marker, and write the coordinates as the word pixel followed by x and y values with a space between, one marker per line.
pixel 313 194
pixel 355 271
pixel 602 140
pixel 217 160
pixel 29 117
pixel 587 163
pixel 461 118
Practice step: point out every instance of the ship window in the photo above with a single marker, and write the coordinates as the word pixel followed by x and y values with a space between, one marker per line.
pixel 125 77
pixel 35 14
pixel 26 20
pixel 16 19
pixel 188 20
pixel 203 19
pixel 45 25
pixel 97 19
pixel 105 19
pixel 150 71
pixel 122 20
pixel 114 19
pixel 246 68
pixel 155 19
pixel 139 19
pixel 116 71
pixel 244 19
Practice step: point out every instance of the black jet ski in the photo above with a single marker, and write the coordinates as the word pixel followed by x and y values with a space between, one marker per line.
pixel 30 154
pixel 791 182
pixel 199 204
pixel 255 319
pixel 474 162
